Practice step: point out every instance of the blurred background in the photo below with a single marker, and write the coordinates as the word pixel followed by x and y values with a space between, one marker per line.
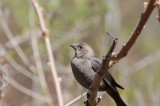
pixel 73 21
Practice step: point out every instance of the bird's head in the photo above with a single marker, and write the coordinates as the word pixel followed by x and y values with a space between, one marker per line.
pixel 82 50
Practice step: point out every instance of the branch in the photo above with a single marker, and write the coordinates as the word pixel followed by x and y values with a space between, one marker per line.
pixel 136 32
pixel 45 33
pixel 76 99
pixel 110 58
pixel 26 90
pixel 14 43
pixel 38 62
pixel 99 76
pixel 15 65
pixel 42 25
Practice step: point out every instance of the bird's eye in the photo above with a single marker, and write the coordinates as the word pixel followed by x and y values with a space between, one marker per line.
pixel 80 47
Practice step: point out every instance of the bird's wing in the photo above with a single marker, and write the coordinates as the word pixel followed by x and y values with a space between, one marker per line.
pixel 95 63
pixel 108 77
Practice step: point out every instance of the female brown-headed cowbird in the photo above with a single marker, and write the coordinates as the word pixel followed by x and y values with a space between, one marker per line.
pixel 85 65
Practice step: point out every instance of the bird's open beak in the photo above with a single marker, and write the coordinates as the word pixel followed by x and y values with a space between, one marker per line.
pixel 74 46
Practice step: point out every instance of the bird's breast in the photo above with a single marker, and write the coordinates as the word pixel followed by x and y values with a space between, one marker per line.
pixel 82 65
pixel 82 71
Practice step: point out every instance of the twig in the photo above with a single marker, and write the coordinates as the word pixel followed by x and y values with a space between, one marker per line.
pixel 26 91
pixel 132 39
pixel 23 39
pixel 115 58
pixel 14 43
pixel 42 25
pixel 38 62
pixel 111 36
pixel 15 65
pixel 76 99
pixel 58 93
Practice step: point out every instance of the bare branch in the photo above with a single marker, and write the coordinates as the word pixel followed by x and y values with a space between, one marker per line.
pixel 92 100
pixel 38 62
pixel 45 33
pixel 14 43
pixel 109 58
pixel 132 39
pixel 40 18
pixel 26 91
pixel 23 39
pixel 15 65
pixel 76 99
pixel 111 36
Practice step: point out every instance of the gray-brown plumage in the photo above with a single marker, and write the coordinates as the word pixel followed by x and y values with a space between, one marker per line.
pixel 85 65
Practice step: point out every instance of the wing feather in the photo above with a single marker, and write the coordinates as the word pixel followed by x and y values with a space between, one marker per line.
pixel 108 77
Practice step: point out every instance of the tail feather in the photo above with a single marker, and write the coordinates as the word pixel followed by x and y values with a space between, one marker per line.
pixel 120 102
pixel 119 86
pixel 115 95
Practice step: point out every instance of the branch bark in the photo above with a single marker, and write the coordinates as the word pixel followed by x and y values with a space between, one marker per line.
pixel 92 94
pixel 45 33
pixel 136 32
pixel 92 100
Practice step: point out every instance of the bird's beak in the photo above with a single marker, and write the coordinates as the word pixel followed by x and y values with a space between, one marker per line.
pixel 74 46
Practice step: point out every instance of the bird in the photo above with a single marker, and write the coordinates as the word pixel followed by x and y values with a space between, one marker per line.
pixel 84 66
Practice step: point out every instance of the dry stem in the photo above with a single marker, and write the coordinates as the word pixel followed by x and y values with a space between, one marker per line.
pixel 45 32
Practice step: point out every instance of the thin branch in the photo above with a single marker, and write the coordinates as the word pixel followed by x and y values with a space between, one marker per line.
pixel 58 93
pixel 41 74
pixel 42 25
pixel 136 32
pixel 38 62
pixel 56 81
pixel 20 40
pixel 15 65
pixel 115 58
pixel 14 43
pixel 76 99
pixel 99 76
pixel 26 90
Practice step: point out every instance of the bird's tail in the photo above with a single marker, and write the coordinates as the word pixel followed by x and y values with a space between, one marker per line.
pixel 115 95
pixel 120 102
pixel 119 86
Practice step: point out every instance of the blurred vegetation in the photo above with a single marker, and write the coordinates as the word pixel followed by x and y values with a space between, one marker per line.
pixel 71 21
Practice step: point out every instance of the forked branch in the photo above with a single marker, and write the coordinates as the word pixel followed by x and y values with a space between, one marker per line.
pixel 136 32
pixel 92 94
pixel 92 100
